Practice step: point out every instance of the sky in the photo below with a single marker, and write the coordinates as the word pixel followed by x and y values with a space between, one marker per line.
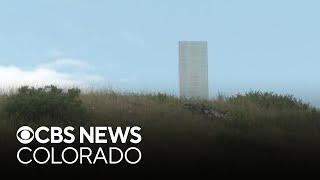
pixel 133 45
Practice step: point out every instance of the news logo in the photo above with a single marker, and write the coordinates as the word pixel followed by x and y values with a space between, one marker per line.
pixel 101 135
pixel 25 134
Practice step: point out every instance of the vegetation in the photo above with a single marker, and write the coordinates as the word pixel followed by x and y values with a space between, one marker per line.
pixel 256 125
pixel 240 114
pixel 45 106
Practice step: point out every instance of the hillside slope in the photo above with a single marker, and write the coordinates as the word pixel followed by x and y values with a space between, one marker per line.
pixel 243 132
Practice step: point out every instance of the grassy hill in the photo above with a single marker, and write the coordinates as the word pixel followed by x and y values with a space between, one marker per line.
pixel 242 131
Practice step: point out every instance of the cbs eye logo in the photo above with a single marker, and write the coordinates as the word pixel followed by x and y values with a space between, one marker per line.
pixel 25 134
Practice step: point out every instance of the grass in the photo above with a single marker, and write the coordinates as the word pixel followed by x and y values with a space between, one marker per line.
pixel 256 126
pixel 252 115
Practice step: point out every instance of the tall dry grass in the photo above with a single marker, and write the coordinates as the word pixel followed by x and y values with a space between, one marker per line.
pixel 254 118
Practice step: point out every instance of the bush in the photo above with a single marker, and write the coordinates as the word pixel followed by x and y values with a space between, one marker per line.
pixel 48 105
pixel 267 100
pixel 267 117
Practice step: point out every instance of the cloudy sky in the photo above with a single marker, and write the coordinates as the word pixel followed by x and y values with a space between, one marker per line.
pixel 132 45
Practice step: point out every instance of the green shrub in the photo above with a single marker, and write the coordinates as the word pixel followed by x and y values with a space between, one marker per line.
pixel 48 105
pixel 269 100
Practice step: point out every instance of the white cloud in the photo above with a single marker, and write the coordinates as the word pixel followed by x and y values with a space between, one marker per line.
pixel 13 76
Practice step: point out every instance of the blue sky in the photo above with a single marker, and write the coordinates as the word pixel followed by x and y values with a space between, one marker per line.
pixel 132 45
